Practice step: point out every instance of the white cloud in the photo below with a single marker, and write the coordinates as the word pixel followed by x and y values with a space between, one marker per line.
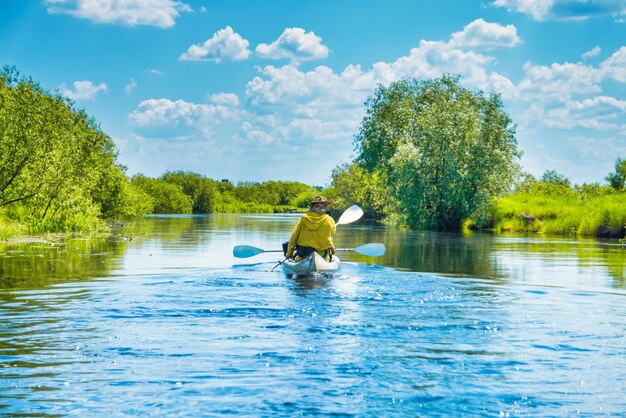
pixel 287 105
pixel 82 90
pixel 225 45
pixel 296 45
pixel 128 88
pixel 594 52
pixel 559 82
pixel 600 112
pixel 287 111
pixel 615 66
pixel 164 118
pixel 431 59
pixel 575 10
pixel 325 105
pixel 160 13
pixel 484 35
pixel 154 71
pixel 503 85
pixel 226 99
pixel 538 9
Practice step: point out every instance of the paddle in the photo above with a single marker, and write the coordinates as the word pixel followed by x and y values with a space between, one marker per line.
pixel 373 249
pixel 353 213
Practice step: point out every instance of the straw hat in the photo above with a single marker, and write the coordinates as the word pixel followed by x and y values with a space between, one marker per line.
pixel 320 199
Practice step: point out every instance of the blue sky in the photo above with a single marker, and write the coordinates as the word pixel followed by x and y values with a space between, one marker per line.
pixel 259 90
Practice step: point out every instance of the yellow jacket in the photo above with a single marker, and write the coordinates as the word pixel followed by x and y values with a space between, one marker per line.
pixel 314 230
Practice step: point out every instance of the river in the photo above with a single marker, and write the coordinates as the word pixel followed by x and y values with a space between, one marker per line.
pixel 159 319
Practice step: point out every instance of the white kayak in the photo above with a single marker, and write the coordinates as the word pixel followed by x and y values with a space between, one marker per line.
pixel 310 264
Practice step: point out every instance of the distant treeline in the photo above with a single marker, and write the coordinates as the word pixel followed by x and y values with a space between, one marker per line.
pixel 430 154
pixel 187 192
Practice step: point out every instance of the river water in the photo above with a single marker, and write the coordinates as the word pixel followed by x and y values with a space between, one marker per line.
pixel 159 319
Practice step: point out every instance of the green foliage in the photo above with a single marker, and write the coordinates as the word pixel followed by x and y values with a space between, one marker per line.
pixel 305 198
pixel 444 150
pixel 275 193
pixel 204 192
pixel 58 170
pixel 552 177
pixel 353 184
pixel 525 182
pixel 172 192
pixel 617 180
pixel 117 197
pixel 9 227
pixel 166 197
pixel 587 211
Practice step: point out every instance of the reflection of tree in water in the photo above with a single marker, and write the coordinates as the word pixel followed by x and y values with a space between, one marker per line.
pixel 587 253
pixel 477 254
pixel 37 264
pixel 616 265
pixel 425 251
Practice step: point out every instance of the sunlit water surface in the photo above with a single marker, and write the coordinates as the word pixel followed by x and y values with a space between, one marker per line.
pixel 161 319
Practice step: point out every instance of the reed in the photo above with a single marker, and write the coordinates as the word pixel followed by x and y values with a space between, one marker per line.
pixel 568 213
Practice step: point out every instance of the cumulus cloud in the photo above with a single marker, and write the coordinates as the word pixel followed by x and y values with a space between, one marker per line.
pixel 226 99
pixel 615 66
pixel 327 105
pixel 484 35
pixel 160 13
pixel 559 82
pixel 225 45
pixel 594 52
pixel 165 118
pixel 565 9
pixel 154 71
pixel 431 59
pixel 287 110
pixel 295 45
pixel 82 90
pixel 600 112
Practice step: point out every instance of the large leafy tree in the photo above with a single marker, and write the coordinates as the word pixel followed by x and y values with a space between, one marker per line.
pixel 445 150
pixel 58 169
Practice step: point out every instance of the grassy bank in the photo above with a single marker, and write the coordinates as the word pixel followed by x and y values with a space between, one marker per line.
pixel 596 211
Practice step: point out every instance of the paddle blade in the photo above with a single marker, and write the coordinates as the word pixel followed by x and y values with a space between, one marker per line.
pixel 245 251
pixel 353 213
pixel 373 249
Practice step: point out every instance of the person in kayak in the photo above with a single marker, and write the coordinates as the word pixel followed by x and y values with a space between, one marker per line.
pixel 313 232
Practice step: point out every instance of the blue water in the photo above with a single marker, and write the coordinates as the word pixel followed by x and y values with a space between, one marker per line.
pixel 173 325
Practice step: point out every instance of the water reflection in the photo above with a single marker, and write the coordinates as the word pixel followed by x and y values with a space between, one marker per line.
pixel 443 324
pixel 151 243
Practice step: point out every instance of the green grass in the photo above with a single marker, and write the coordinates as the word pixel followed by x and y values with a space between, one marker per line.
pixel 602 215
pixel 10 228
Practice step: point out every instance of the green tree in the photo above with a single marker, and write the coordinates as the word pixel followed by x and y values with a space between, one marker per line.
pixel 552 177
pixel 166 197
pixel 445 150
pixel 58 169
pixel 204 192
pixel 617 180
pixel 353 184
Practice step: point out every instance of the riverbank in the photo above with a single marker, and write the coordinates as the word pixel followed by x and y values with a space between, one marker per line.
pixel 569 213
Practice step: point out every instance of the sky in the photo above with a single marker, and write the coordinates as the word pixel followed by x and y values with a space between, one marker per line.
pixel 275 89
